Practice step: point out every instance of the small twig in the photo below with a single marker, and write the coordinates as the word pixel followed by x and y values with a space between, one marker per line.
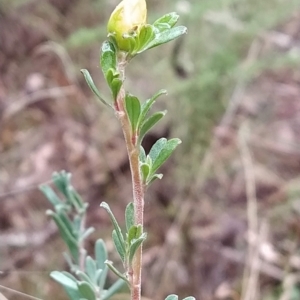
pixel 19 293
pixel 251 274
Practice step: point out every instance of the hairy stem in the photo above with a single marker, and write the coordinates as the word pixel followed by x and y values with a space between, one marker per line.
pixel 137 184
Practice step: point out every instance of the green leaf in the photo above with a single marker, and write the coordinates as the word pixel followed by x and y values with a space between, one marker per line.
pixel 62 180
pixel 115 86
pixel 108 57
pixel 70 276
pixel 167 21
pixel 101 257
pixel 86 290
pixel 89 80
pixel 98 277
pixel 118 273
pixel 164 153
pixel 90 268
pixel 131 233
pixel 135 244
pixel 65 220
pixel 129 215
pixel 146 35
pixel 111 75
pixel 119 245
pixel 50 195
pixel 83 276
pixel 65 234
pixel 113 289
pixel 86 234
pixel 172 297
pixel 149 123
pixel 75 199
pixel 134 232
pixel 147 105
pixel 192 298
pixel 142 156
pixel 145 170
pixel 69 285
pixel 157 148
pixel 133 108
pixel 100 254
pixel 132 41
pixel 115 224
pixel 153 178
pixel 166 36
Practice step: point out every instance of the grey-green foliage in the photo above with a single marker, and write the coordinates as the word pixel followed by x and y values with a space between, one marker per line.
pixel 175 297
pixel 88 275
pixel 126 244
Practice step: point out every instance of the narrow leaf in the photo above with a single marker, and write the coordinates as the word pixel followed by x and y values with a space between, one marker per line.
pixel 115 224
pixel 153 178
pixel 90 268
pixel 69 275
pixel 102 279
pixel 129 215
pixel 135 245
pixel 133 108
pixel 115 86
pixel 86 290
pixel 86 234
pixel 118 273
pixel 83 276
pixel 66 235
pixel 89 80
pixel 100 254
pixel 101 257
pixel 145 170
pixel 147 105
pixel 63 279
pixel 118 244
pixel 75 199
pixel 98 277
pixel 149 123
pixel 142 156
pixel 69 285
pixel 67 223
pixel 113 289
pixel 50 195
pixel 61 180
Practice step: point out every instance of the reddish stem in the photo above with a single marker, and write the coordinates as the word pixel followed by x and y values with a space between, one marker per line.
pixel 137 184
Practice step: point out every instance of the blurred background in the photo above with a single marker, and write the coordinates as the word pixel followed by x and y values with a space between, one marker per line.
pixel 224 223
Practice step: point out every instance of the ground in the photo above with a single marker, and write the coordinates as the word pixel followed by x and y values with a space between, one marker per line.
pixel 224 221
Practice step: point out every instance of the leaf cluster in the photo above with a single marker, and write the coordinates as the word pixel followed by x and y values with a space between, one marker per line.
pixel 162 31
pixel 126 245
pixel 88 275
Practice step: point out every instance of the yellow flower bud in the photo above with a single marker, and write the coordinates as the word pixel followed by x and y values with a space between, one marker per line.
pixel 126 19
